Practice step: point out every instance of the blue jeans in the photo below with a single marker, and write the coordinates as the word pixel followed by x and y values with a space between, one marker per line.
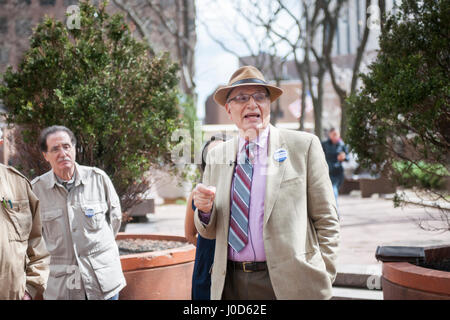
pixel 336 182
pixel 336 192
pixel 201 278
pixel 116 297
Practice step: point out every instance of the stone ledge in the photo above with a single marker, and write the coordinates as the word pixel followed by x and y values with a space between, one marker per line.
pixel 340 293
pixel 359 276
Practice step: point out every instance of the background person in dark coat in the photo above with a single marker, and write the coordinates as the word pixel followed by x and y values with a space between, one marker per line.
pixel 335 153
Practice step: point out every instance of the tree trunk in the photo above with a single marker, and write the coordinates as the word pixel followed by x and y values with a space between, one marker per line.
pixel 275 114
pixel 318 106
pixel 303 106
pixel 344 108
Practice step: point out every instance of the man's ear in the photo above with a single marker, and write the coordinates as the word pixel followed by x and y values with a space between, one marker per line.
pixel 227 109
pixel 45 156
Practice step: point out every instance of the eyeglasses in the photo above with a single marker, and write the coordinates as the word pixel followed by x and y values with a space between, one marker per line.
pixel 243 98
pixel 56 149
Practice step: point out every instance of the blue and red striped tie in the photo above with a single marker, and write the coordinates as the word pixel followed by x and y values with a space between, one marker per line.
pixel 240 207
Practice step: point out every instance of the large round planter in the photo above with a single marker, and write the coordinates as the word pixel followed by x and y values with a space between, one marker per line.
pixel 406 281
pixel 158 275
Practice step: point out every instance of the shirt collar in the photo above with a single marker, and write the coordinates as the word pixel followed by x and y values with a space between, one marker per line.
pixel 260 141
pixel 61 181
pixel 78 174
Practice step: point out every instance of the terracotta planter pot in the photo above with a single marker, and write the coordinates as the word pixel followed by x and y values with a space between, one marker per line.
pixel 158 275
pixel 381 185
pixel 348 186
pixel 406 281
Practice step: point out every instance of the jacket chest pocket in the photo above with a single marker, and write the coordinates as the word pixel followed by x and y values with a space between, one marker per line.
pixel 292 182
pixel 53 225
pixel 292 188
pixel 21 219
pixel 94 215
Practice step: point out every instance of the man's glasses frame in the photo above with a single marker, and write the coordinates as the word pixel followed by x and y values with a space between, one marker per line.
pixel 56 149
pixel 259 97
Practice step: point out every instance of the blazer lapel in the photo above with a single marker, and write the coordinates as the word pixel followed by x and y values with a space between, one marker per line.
pixel 231 151
pixel 275 172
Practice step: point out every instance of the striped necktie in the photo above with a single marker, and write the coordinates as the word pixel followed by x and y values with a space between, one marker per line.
pixel 240 207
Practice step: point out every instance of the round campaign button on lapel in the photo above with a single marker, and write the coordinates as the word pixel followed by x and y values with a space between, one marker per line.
pixel 280 155
pixel 89 212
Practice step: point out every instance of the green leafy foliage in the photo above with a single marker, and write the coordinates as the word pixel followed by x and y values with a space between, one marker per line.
pixel 402 112
pixel 121 102
pixel 430 176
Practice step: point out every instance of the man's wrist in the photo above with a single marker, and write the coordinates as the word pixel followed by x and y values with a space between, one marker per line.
pixel 203 212
pixel 204 216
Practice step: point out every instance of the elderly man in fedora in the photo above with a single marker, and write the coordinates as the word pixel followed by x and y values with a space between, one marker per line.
pixel 267 199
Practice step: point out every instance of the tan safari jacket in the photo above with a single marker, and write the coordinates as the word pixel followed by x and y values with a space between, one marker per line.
pixel 79 229
pixel 23 257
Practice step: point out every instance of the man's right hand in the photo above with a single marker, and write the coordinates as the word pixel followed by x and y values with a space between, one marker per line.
pixel 204 197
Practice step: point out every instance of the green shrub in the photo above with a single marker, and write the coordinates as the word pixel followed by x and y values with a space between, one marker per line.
pixel 424 175
pixel 402 112
pixel 121 102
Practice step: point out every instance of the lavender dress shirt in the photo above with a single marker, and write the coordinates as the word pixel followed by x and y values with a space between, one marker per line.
pixel 254 249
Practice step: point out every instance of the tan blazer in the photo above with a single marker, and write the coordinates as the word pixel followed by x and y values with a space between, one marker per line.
pixel 24 260
pixel 301 228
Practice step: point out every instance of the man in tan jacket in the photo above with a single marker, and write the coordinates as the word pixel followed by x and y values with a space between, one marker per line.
pixel 81 216
pixel 267 199
pixel 23 257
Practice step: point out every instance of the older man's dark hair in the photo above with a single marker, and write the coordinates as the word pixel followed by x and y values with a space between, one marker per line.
pixel 53 129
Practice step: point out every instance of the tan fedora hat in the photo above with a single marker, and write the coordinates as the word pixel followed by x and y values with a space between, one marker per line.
pixel 246 76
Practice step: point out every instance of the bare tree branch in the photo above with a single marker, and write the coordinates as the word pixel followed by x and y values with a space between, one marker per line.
pixel 138 22
pixel 177 27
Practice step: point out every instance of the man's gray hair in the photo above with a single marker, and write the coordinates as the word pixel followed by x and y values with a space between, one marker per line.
pixel 53 129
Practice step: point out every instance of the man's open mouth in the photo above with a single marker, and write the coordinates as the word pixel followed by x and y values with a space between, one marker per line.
pixel 252 115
